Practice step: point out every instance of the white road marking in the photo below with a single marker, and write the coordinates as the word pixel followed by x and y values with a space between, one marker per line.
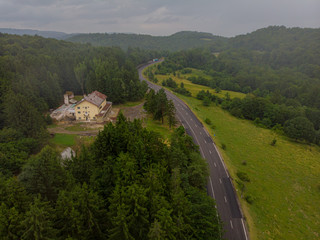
pixel 196 125
pixel 231 224
pixel 195 139
pixel 225 199
pixel 205 141
pixel 212 188
pixel 220 181
pixel 210 152
pixel 245 233
pixel 191 119
pixel 225 169
pixel 215 164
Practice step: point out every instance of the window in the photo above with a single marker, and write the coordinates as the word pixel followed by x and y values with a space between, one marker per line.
pixel 94 118
pixel 78 107
pixel 79 112
pixel 85 107
pixel 79 118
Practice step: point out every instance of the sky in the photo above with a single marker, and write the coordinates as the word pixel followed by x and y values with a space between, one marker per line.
pixel 158 17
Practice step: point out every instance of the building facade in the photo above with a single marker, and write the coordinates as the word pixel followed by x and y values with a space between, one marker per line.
pixel 93 107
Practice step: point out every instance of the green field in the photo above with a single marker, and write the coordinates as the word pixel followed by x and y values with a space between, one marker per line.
pixel 284 179
pixel 63 140
pixel 158 127
pixel 194 88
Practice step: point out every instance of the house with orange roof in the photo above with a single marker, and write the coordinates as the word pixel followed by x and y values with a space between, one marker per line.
pixel 93 107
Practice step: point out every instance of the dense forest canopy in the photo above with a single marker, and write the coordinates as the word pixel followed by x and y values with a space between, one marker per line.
pixel 35 73
pixel 128 185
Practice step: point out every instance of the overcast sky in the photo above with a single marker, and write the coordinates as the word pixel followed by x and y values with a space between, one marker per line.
pixel 158 17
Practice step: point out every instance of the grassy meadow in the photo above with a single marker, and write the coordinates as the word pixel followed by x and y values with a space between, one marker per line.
pixel 194 88
pixel 284 179
pixel 63 140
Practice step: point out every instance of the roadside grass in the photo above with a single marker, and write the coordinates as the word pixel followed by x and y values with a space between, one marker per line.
pixel 284 179
pixel 78 127
pixel 156 126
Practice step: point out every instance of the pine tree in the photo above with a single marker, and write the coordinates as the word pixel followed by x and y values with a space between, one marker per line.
pixel 171 113
pixel 37 223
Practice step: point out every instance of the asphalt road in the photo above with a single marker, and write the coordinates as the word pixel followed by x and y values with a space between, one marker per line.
pixel 219 184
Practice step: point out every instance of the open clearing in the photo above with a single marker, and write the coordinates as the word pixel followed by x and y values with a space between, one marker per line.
pixel 285 178
pixel 194 88
pixel 75 134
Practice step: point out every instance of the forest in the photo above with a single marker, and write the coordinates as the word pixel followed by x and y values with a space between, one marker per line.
pixel 35 73
pixel 128 184
pixel 131 183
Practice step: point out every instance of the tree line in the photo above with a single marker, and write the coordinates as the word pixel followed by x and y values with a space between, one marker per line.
pixel 160 107
pixel 129 184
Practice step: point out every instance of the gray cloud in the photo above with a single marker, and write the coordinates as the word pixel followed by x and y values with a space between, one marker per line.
pixel 158 17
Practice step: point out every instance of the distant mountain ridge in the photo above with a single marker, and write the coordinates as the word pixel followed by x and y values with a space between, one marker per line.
pixel 177 41
pixel 264 39
pixel 45 34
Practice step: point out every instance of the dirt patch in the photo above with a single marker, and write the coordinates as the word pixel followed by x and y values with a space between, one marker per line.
pixel 135 112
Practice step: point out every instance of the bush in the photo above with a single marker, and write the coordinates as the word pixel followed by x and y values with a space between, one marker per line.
pixel 273 142
pixel 249 199
pixel 236 112
pixel 206 101
pixel 208 121
pixel 244 163
pixel 243 176
pixel 224 147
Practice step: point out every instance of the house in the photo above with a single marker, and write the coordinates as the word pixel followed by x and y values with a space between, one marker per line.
pixel 93 107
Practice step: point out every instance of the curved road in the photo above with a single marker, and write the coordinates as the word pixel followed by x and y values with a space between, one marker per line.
pixel 219 185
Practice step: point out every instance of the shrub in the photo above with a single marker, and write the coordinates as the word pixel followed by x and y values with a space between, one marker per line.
pixel 249 199
pixel 244 163
pixel 273 142
pixel 224 147
pixel 236 112
pixel 243 176
pixel 208 121
pixel 206 101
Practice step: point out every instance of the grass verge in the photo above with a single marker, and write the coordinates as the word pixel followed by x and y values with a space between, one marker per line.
pixel 284 187
pixel 284 179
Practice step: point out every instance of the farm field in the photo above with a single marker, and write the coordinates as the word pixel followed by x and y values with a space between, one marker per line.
pixel 284 186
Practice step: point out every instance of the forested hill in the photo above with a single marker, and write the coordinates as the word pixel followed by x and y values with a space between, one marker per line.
pixel 34 74
pixel 46 34
pixel 276 37
pixel 177 41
